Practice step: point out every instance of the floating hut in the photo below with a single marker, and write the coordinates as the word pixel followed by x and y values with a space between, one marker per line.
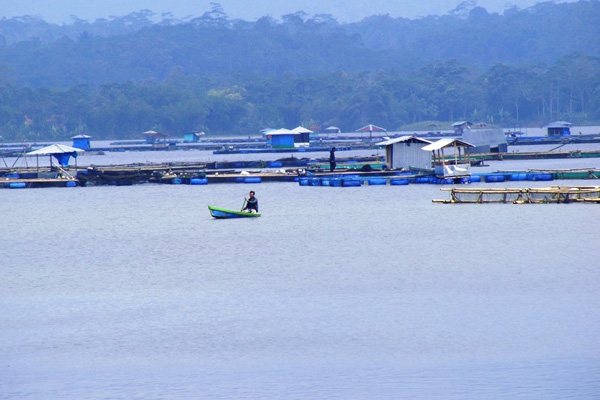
pixel 333 129
pixel 282 138
pixel 559 128
pixel 192 137
pixel 406 152
pixel 156 139
pixel 456 163
pixel 302 136
pixel 461 126
pixel 81 142
pixel 486 140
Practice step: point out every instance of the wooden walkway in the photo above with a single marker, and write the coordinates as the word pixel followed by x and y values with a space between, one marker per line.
pixel 552 194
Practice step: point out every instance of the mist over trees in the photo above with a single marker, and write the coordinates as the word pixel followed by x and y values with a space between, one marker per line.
pixel 117 78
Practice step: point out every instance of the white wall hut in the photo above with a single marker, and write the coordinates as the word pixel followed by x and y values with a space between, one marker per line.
pixel 451 157
pixel 405 153
pixel 302 138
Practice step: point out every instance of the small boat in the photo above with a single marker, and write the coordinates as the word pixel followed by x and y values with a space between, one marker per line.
pixel 221 213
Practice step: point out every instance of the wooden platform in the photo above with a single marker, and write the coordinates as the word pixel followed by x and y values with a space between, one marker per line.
pixel 552 194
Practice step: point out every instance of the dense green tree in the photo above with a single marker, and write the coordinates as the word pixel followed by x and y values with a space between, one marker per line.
pixel 120 77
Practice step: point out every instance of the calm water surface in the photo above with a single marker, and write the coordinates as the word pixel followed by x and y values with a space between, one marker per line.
pixel 334 293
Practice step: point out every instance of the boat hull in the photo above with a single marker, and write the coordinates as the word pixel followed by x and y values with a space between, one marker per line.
pixel 223 213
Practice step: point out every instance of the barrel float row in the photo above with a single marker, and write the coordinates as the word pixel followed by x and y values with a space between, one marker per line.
pixel 359 181
pixel 24 185
pixel 204 181
pixel 248 179
pixel 513 176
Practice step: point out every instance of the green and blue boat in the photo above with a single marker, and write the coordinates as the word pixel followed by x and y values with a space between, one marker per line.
pixel 223 213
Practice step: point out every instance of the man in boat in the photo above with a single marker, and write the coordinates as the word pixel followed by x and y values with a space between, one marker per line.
pixel 332 159
pixel 251 204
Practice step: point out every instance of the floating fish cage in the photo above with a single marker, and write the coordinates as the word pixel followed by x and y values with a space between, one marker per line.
pixel 553 194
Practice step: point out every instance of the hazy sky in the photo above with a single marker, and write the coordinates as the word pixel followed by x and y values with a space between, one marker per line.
pixel 343 10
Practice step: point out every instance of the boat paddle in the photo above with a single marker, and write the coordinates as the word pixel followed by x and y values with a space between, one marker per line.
pixel 244 204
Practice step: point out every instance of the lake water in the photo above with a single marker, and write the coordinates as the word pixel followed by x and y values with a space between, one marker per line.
pixel 334 293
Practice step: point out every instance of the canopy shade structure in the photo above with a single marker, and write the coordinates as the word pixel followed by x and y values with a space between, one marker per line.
pixel 301 129
pixel 371 128
pixel 403 139
pixel 281 131
pixel 443 143
pixel 58 151
pixel 55 149
pixel 457 164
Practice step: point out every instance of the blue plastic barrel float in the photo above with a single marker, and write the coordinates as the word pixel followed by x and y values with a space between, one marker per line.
pixel 176 181
pixel 351 182
pixel 495 178
pixel 336 182
pixel 475 178
pixel 465 179
pixel 253 179
pixel 71 184
pixel 198 181
pixel 398 181
pixel 314 182
pixel 518 176
pixel 377 181
pixel 535 176
pixel 325 182
pixel 303 181
pixel 17 185
pixel 426 179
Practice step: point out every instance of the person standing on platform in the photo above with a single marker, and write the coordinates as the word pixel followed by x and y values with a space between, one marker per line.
pixel 332 163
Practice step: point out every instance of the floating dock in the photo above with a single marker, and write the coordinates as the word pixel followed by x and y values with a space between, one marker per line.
pixel 552 194
pixel 16 183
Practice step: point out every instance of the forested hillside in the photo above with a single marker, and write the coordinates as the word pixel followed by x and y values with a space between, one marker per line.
pixel 116 78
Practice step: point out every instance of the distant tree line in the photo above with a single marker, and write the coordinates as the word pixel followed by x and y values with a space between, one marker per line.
pixel 442 91
pixel 117 78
